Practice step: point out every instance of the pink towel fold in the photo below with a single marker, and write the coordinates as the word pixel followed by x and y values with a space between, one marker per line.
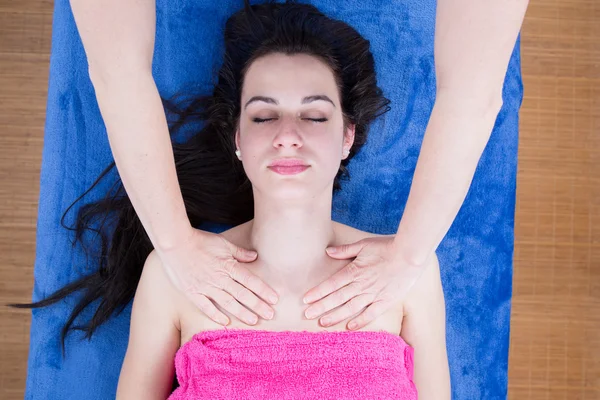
pixel 256 364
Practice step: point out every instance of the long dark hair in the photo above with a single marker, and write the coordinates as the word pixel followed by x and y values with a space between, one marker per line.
pixel 213 183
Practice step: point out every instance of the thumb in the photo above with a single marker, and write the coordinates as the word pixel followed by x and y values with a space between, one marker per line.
pixel 345 250
pixel 243 255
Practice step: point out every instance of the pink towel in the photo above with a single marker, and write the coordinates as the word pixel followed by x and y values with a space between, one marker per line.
pixel 256 364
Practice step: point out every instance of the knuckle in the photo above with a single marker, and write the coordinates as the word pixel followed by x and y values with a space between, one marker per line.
pixel 229 266
pixel 345 248
pixel 353 305
pixel 258 304
pixel 221 282
pixel 188 290
pixel 241 294
pixel 352 269
pixel 228 303
pixel 244 278
pixel 253 281
pixel 339 297
pixel 352 309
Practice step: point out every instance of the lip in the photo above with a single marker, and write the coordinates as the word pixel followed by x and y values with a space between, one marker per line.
pixel 288 162
pixel 291 170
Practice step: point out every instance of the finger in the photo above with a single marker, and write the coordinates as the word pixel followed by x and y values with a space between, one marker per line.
pixel 249 299
pixel 332 301
pixel 368 315
pixel 243 255
pixel 345 250
pixel 239 253
pixel 338 280
pixel 229 303
pixel 351 308
pixel 208 308
pixel 254 283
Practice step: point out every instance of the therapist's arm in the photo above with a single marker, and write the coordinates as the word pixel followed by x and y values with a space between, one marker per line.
pixel 118 37
pixel 473 44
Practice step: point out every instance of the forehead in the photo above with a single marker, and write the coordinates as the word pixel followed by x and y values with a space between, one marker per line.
pixel 297 75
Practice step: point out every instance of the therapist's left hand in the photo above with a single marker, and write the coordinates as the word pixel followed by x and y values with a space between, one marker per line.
pixel 378 278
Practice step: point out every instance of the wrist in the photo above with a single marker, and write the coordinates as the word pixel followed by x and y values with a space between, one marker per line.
pixel 407 256
pixel 178 235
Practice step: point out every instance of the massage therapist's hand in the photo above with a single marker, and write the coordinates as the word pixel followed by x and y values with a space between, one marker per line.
pixel 377 279
pixel 208 267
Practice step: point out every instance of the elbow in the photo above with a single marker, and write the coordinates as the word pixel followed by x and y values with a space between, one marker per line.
pixel 477 93
pixel 105 77
pixel 490 108
pixel 475 105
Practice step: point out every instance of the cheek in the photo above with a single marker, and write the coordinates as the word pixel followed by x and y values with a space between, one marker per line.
pixel 253 154
pixel 330 152
pixel 249 142
pixel 332 141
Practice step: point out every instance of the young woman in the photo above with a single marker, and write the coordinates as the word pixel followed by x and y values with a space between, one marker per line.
pixel 293 103
pixel 295 97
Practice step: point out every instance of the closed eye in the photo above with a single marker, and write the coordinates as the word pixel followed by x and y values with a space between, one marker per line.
pixel 261 120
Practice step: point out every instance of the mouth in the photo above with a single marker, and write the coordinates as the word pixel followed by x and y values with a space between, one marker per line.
pixel 288 166
pixel 288 170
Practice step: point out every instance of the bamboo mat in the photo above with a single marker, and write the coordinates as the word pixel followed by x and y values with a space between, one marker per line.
pixel 25 33
pixel 555 327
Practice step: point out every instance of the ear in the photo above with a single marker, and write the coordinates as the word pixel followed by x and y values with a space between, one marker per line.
pixel 237 138
pixel 349 136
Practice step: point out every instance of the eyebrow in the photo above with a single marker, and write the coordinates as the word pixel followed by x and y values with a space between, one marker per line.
pixel 306 100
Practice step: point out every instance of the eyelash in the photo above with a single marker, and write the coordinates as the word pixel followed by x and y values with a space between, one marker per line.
pixel 260 120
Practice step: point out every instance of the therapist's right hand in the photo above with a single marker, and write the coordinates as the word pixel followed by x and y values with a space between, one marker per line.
pixel 206 267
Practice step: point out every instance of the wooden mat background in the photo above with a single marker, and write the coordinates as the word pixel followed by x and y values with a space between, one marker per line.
pixel 555 328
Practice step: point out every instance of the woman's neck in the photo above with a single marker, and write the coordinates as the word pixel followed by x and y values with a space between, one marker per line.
pixel 290 237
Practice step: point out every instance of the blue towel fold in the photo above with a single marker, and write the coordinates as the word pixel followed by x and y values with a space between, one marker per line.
pixel 475 256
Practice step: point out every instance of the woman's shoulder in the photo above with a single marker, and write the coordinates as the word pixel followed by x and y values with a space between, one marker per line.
pixel 347 234
pixel 155 275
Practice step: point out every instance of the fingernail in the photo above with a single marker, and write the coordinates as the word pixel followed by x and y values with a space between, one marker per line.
pixel 331 250
pixel 352 325
pixel 309 314
pixel 305 300
pixel 273 299
pixel 325 321
pixel 269 314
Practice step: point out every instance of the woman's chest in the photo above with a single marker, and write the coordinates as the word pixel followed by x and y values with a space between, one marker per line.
pixel 289 315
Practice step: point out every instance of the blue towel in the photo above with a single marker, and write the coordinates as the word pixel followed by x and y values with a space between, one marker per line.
pixel 475 256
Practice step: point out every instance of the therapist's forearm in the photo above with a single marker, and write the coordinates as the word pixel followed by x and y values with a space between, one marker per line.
pixel 453 144
pixel 139 138
pixel 473 44
pixel 118 38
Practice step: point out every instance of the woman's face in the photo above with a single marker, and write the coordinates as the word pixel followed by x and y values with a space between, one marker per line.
pixel 291 109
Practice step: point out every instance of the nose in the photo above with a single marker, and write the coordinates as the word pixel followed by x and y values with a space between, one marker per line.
pixel 288 136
